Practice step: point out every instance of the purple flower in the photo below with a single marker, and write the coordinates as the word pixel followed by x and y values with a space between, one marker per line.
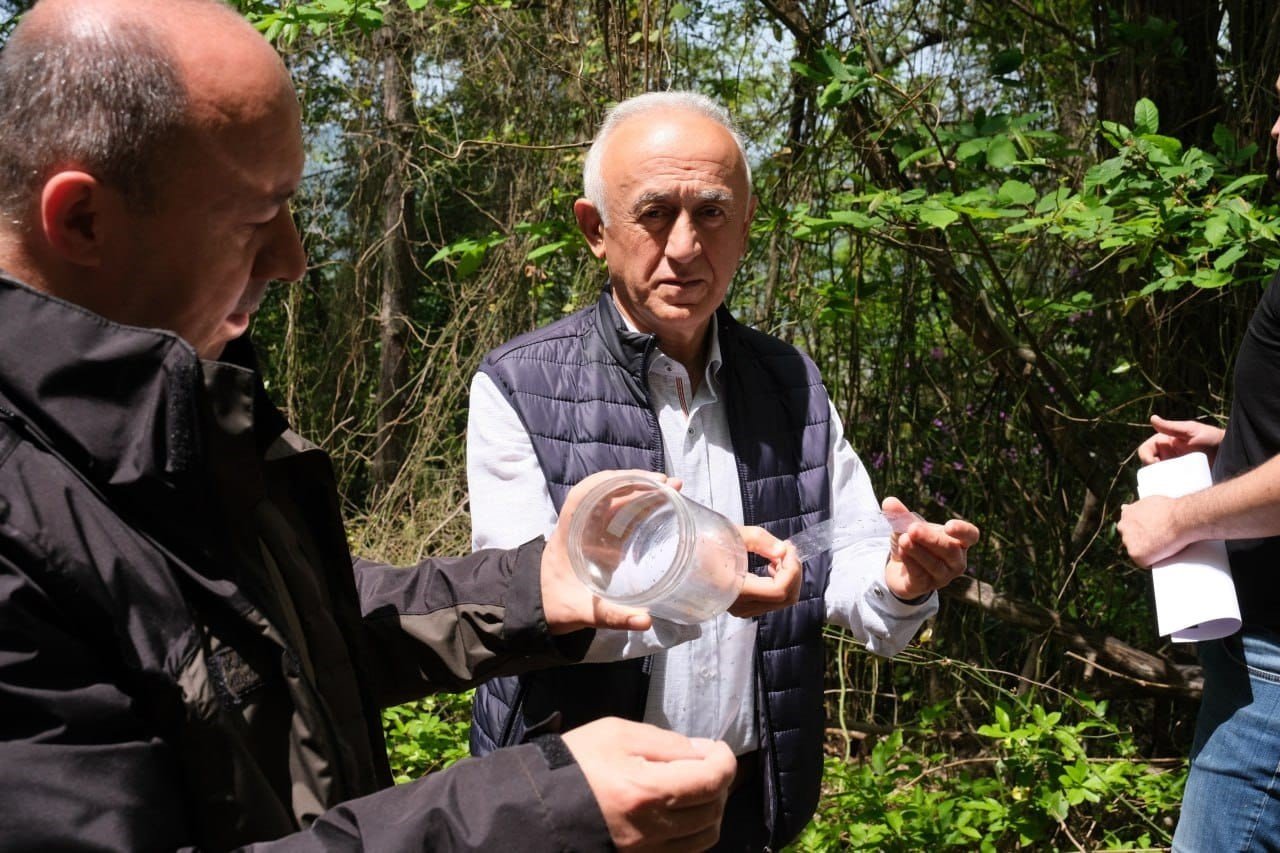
pixel 927 467
pixel 957 466
pixel 877 461
pixel 937 422
pixel 936 353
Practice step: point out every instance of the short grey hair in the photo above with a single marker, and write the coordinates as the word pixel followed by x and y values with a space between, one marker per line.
pixel 99 93
pixel 592 173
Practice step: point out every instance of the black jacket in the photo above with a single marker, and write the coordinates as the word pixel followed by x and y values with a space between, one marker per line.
pixel 185 660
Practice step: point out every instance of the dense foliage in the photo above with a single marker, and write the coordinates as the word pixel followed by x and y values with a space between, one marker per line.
pixel 1008 232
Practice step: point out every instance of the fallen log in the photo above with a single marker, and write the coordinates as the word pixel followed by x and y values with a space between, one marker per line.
pixel 1106 653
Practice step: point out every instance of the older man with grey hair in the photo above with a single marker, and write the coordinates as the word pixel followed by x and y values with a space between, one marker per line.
pixel 658 375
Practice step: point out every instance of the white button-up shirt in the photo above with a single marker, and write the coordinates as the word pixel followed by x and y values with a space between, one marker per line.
pixel 702 681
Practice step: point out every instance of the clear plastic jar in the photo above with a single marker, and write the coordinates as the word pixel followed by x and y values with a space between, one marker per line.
pixel 640 543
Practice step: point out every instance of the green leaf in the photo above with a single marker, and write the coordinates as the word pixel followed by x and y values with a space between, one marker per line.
pixel 1017 192
pixel 1241 183
pixel 1005 62
pixel 1001 153
pixel 546 249
pixel 971 148
pixel 1224 139
pixel 679 12
pixel 1211 279
pixel 1146 118
pixel 932 213
pixel 1216 229
pixel 1228 259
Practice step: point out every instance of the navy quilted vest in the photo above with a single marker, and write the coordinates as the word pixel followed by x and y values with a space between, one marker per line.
pixel 578 386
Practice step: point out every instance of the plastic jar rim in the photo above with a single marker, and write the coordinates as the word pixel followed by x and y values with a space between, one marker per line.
pixel 674 572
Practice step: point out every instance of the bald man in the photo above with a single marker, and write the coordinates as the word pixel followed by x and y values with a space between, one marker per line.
pixel 187 658
pixel 657 375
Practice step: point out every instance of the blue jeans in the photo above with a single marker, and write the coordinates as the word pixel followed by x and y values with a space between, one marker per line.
pixel 1232 800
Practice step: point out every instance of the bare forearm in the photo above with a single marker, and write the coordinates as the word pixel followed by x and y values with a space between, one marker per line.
pixel 1244 507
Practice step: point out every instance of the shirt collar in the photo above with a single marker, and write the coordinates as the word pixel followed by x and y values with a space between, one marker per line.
pixel 714 357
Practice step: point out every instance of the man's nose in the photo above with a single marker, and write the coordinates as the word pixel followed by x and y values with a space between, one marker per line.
pixel 281 257
pixel 683 241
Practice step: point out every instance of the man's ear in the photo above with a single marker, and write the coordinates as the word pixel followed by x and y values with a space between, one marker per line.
pixel 74 207
pixel 591 225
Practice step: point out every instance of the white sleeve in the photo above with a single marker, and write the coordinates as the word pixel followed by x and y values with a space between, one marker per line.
pixel 857 597
pixel 511 504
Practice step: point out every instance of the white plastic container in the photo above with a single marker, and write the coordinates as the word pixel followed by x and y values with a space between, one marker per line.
pixel 640 543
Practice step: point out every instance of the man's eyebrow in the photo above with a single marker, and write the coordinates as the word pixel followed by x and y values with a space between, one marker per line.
pixel 650 197
pixel 715 195
pixel 661 197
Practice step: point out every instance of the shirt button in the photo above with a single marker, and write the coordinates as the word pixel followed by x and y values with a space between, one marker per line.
pixel 877 592
pixel 707 673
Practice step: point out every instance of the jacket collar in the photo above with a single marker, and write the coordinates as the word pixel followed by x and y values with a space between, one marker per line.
pixel 129 406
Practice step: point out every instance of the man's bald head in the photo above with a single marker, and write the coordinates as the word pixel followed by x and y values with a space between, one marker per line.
pixel 106 86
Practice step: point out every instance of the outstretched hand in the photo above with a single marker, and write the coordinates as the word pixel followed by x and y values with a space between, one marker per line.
pixel 925 556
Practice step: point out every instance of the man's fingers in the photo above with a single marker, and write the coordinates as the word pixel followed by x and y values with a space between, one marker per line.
pixel 622 618
pixel 691 783
pixel 762 542
pixel 963 531
pixel 654 744
pixel 919 558
pixel 780 589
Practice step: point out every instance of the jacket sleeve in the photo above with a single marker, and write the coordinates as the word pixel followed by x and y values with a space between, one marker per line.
pixel 82 767
pixel 453 623
pixel 525 798
pixel 79 765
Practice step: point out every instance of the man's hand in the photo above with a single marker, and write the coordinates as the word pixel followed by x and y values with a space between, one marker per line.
pixel 925 556
pixel 567 604
pixel 658 790
pixel 1147 530
pixel 781 588
pixel 1178 438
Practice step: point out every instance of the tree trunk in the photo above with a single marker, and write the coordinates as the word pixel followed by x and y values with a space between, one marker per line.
pixel 398 278
pixel 1165 50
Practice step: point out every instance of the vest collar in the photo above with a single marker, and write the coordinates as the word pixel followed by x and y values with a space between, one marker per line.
pixel 630 349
